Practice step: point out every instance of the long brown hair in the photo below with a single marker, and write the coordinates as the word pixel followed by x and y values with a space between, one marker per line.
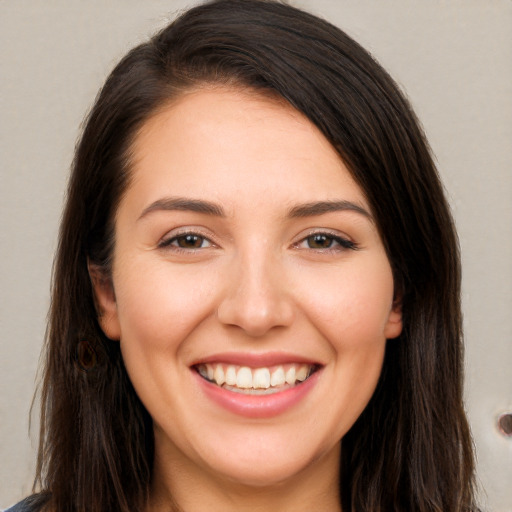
pixel 411 449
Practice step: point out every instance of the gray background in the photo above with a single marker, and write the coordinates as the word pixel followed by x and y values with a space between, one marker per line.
pixel 453 58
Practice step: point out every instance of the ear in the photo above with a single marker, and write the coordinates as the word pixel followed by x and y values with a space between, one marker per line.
pixel 394 323
pixel 105 301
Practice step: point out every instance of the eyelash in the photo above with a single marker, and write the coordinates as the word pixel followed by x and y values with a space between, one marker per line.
pixel 173 241
pixel 342 243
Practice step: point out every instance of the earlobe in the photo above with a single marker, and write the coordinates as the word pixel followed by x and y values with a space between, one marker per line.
pixel 394 323
pixel 105 301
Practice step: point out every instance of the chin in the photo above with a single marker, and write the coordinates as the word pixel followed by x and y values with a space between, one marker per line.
pixel 275 463
pixel 264 475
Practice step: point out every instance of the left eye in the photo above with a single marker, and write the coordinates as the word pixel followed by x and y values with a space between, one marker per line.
pixel 325 241
pixel 188 241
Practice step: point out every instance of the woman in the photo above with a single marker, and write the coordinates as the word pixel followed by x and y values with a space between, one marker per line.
pixel 256 291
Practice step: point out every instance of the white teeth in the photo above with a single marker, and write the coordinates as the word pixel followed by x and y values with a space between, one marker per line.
pixel 290 375
pixel 256 378
pixel 278 378
pixel 302 373
pixel 261 378
pixel 244 378
pixel 218 375
pixel 231 375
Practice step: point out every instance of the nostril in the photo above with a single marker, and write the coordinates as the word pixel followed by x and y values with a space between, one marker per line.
pixel 255 315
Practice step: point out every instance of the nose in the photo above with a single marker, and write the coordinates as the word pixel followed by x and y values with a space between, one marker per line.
pixel 256 299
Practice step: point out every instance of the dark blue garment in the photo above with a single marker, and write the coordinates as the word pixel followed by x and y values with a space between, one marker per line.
pixel 31 504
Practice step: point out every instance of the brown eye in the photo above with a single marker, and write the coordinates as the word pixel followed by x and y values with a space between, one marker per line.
pixel 320 241
pixel 186 241
pixel 326 242
pixel 190 241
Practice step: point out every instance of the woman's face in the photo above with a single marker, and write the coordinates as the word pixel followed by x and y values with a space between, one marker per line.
pixel 245 253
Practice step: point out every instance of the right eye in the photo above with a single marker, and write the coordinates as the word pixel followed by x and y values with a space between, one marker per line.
pixel 187 241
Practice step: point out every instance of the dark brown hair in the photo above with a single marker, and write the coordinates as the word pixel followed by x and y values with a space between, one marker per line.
pixel 410 450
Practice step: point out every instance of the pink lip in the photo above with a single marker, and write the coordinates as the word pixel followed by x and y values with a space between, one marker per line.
pixel 255 360
pixel 257 406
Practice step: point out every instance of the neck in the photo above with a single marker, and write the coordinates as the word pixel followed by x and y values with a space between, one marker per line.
pixel 180 487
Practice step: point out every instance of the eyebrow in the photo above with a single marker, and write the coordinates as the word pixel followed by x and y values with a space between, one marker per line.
pixel 322 207
pixel 184 204
pixel 208 208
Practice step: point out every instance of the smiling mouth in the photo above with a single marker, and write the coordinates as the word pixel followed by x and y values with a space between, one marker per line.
pixel 256 381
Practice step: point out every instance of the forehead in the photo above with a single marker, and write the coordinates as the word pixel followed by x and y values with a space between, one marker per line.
pixel 234 145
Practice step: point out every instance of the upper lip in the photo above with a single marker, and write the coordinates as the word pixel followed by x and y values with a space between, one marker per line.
pixel 255 360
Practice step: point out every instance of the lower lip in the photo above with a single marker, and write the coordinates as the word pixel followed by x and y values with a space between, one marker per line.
pixel 257 406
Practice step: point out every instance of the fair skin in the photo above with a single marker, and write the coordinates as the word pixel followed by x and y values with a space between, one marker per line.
pixel 244 246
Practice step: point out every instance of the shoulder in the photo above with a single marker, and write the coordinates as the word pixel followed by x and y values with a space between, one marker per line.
pixel 33 503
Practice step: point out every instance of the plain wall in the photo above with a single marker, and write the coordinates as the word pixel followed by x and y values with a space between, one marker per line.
pixel 454 60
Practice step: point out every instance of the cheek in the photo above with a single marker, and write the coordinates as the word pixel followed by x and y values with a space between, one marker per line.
pixel 159 307
pixel 352 314
pixel 352 306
